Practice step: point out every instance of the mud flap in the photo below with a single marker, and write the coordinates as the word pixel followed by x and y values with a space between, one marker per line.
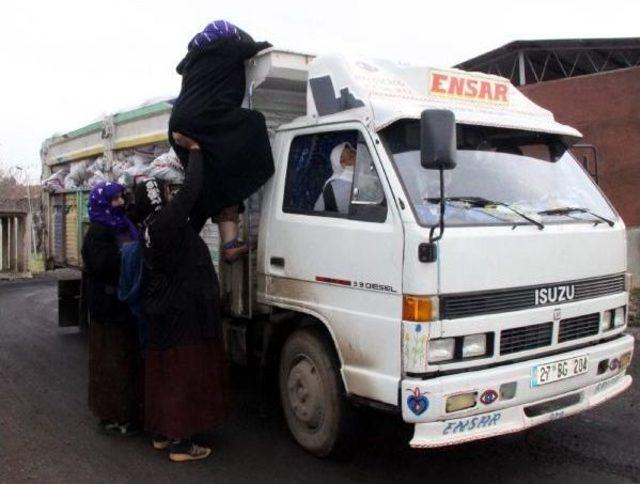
pixel 70 303
pixel 235 335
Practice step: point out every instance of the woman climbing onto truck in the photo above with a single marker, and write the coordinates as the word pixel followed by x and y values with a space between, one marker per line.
pixel 236 152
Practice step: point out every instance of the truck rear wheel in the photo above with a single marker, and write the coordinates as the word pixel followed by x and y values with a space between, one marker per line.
pixel 312 394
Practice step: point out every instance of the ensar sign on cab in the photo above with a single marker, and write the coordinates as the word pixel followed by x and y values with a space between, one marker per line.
pixel 469 88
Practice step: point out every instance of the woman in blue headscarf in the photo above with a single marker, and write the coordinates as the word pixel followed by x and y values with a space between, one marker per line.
pixel 114 366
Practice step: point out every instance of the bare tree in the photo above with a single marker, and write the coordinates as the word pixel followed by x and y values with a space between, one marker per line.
pixel 7 181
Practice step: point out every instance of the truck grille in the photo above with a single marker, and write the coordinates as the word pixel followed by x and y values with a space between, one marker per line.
pixel 525 338
pixel 580 327
pixel 471 304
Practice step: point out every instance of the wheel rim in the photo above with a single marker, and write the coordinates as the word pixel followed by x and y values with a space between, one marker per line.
pixel 304 388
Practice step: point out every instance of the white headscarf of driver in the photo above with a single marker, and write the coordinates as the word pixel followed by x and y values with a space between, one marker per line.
pixel 340 172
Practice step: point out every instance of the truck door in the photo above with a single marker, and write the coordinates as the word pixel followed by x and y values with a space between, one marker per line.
pixel 335 248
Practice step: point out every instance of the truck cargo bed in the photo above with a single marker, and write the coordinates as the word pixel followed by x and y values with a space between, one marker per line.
pixel 276 86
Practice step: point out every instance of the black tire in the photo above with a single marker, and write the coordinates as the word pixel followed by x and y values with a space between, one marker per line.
pixel 311 393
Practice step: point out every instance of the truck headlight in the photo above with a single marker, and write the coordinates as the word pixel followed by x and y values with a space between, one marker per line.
pixel 474 345
pixel 441 349
pixel 618 317
pixel 605 322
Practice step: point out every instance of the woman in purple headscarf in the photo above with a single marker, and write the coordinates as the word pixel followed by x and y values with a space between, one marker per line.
pixel 234 141
pixel 114 366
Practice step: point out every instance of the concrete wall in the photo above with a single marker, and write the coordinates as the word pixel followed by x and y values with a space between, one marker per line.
pixel 605 107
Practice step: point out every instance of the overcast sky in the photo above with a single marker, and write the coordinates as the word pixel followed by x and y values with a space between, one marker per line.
pixel 66 62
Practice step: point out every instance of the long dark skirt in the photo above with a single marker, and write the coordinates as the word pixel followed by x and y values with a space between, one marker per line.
pixel 114 372
pixel 186 389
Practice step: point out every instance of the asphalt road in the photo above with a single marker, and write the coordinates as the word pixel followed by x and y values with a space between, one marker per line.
pixel 48 435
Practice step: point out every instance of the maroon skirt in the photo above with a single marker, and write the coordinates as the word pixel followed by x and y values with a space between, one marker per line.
pixel 186 389
pixel 114 372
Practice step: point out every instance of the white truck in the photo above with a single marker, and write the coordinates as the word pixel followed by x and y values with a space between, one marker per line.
pixel 472 281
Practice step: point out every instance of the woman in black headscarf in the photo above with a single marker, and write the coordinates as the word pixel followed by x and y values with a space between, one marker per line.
pixel 186 386
pixel 234 141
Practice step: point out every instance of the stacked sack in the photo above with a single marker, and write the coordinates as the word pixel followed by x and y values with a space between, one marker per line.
pixel 133 167
pixel 77 175
pixel 56 181
pixel 167 167
pixel 127 169
pixel 97 172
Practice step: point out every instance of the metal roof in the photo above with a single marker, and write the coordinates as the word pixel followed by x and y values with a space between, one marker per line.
pixel 531 61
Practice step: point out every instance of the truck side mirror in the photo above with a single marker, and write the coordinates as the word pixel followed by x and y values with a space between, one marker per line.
pixel 438 139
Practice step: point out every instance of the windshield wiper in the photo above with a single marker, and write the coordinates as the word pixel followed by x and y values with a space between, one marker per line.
pixel 568 210
pixel 484 202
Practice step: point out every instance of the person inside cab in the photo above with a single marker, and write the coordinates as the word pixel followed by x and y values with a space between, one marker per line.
pixel 336 193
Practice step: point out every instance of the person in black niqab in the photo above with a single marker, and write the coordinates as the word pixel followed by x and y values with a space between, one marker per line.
pixel 236 153
pixel 186 386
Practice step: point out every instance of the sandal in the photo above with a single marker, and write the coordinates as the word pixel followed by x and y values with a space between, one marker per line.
pixel 195 452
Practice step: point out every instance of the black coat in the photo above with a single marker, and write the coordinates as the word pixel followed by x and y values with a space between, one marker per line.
pixel 101 271
pixel 234 141
pixel 181 293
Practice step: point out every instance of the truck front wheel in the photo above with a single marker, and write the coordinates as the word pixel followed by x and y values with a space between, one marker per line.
pixel 311 391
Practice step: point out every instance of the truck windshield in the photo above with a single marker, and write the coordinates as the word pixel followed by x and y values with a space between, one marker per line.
pixel 521 172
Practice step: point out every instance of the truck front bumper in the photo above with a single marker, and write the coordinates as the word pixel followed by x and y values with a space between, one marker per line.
pixel 498 412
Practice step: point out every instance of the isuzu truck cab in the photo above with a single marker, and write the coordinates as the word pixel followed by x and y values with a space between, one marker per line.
pixel 428 245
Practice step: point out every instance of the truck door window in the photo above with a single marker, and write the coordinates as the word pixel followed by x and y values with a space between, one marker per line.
pixel 336 191
pixel 367 197
pixel 320 176
pixel 367 189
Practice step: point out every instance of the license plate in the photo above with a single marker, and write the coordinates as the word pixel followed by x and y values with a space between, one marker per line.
pixel 559 370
